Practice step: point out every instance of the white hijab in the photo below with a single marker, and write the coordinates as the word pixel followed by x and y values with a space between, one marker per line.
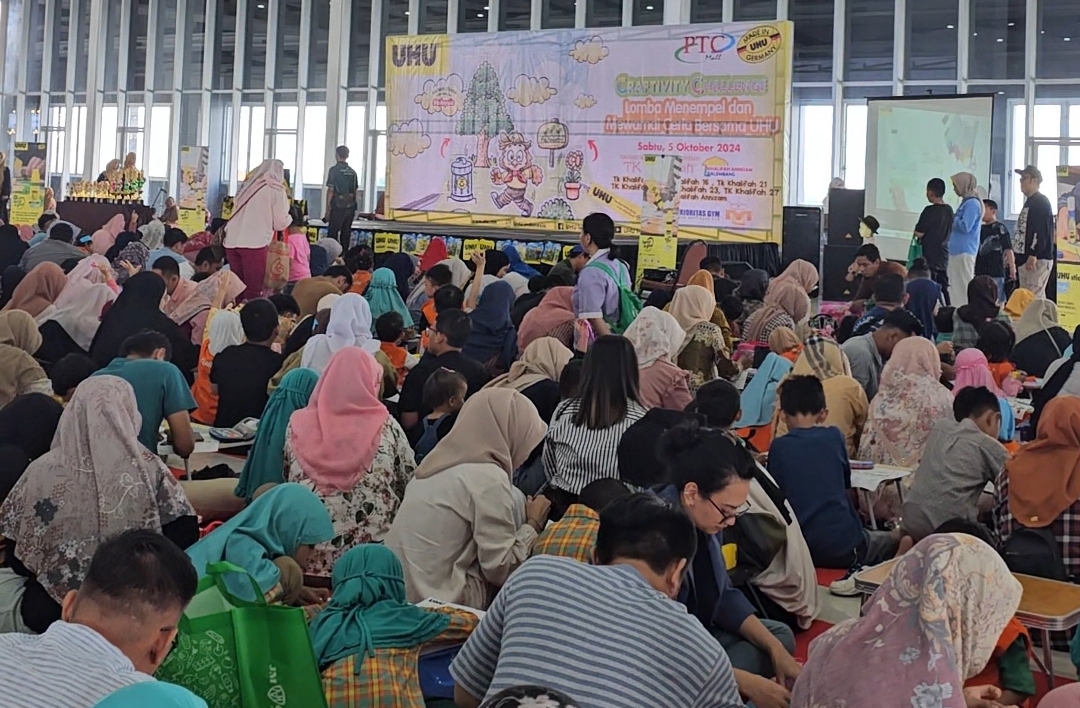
pixel 350 325
pixel 225 330
pixel 79 313
pixel 518 282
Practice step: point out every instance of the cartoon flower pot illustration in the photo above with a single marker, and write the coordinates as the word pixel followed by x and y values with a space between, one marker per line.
pixel 572 180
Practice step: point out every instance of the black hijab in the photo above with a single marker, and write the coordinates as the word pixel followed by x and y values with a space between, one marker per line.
pixel 9 280
pixel 753 285
pixel 982 302
pixel 139 308
pixel 495 261
pixel 121 241
pixel 403 268
pixel 12 247
pixel 1053 387
pixel 29 423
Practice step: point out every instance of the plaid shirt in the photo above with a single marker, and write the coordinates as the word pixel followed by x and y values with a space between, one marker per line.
pixel 573 536
pixel 390 678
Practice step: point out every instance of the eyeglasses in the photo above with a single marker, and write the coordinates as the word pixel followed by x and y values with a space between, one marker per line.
pixel 733 514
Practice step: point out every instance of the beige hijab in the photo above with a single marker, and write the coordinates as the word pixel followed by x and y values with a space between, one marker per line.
pixel 19 339
pixel 692 305
pixel 496 426
pixel 1039 316
pixel 543 360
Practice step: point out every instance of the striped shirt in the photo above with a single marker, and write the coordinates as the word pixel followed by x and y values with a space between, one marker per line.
pixel 600 634
pixel 575 455
pixel 69 666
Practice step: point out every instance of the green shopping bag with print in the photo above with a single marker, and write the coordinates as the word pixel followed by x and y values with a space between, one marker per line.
pixel 233 653
pixel 914 252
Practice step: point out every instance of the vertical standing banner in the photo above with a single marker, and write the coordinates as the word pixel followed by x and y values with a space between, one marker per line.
pixel 661 189
pixel 28 183
pixel 1068 247
pixel 539 129
pixel 191 195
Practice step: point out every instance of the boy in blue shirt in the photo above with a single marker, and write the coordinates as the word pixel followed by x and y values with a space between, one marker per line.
pixel 810 463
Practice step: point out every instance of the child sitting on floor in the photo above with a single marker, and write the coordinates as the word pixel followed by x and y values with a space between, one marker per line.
pixel 811 466
pixel 961 456
pixel 444 393
pixel 997 341
pixel 389 329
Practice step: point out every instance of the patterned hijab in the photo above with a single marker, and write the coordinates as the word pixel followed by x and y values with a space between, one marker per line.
pixel 95 482
pixel 931 626
pixel 368 609
pixel 823 358
pixel 655 335
pixel 909 401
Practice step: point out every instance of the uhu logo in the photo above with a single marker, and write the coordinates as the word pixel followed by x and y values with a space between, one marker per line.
pixel 415 54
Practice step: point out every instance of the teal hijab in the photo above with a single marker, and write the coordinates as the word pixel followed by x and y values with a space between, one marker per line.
pixel 266 461
pixel 368 610
pixel 152 693
pixel 383 296
pixel 274 525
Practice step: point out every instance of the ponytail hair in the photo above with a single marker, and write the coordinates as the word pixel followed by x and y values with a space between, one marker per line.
pixel 705 456
pixel 601 229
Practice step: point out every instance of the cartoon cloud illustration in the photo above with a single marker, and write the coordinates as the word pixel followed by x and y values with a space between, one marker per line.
pixel 408 138
pixel 589 51
pixel 530 90
pixel 444 95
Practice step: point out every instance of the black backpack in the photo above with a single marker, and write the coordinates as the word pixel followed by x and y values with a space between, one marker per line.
pixel 1034 552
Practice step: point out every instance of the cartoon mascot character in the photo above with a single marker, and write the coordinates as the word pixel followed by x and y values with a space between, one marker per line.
pixel 515 171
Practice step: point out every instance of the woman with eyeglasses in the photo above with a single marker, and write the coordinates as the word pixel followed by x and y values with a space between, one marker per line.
pixel 709 475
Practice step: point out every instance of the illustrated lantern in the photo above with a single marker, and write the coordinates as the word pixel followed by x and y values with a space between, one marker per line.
pixel 552 136
pixel 461 179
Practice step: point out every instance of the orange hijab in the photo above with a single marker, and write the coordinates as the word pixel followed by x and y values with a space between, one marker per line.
pixel 705 279
pixel 1044 477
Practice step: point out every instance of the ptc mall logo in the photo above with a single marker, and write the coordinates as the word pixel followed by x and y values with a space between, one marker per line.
pixel 700 48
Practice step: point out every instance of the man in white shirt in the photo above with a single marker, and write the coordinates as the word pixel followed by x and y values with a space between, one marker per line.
pixel 114 631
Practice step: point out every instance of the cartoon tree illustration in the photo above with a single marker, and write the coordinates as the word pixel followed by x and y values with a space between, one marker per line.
pixel 484 113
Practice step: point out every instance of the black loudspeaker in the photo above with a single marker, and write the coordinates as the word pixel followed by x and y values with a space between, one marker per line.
pixel 802 235
pixel 846 207
pixel 834 284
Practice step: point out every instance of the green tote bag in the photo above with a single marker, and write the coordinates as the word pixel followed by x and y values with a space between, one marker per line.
pixel 233 653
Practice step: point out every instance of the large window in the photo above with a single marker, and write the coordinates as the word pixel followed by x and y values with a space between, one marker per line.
pixel 355 137
pixel 59 128
pixel 157 159
pixel 855 145
pixel 314 164
pixel 252 134
pixel 815 157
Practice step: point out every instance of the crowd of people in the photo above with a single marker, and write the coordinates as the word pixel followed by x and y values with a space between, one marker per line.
pixel 638 530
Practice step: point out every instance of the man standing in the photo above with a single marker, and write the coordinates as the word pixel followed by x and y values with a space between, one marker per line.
pixel 341 186
pixel 932 231
pixel 1034 241
pixel 996 258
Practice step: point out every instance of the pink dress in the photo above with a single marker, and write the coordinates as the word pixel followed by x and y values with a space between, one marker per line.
pixel 299 257
pixel 664 385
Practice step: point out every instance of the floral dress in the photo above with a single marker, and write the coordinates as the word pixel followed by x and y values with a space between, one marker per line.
pixel 364 514
pixel 705 356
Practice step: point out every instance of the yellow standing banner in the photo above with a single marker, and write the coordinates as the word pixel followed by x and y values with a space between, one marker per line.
pixel 28 183
pixel 662 185
pixel 191 197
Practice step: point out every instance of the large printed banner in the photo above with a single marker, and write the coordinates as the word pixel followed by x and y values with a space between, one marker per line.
pixel 191 196
pixel 1068 247
pixel 28 183
pixel 539 129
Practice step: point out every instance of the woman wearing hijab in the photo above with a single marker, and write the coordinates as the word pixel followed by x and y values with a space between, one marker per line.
pixel 769 317
pixel 801 273
pixel 70 325
pixel 10 279
pixel 190 303
pixel 332 247
pixel 403 268
pixel 845 399
pixel 981 308
pixel 130 260
pixel 19 371
pixel 1040 486
pixel 752 287
pixel 553 317
pixel 459 272
pixel 382 296
pixel 705 279
pixel 38 291
pixel 12 247
pixel 493 339
pixel 1018 302
pixel 972 369
pixel 496 263
pixel 536 374
pixel 29 423
pixel 260 209
pixel 224 331
pixel 1062 379
pixel 964 239
pixel 104 238
pixel 369 636
pixel 310 291
pixel 272 539
pixel 784 342
pixel 121 242
pixel 517 265
pixel 910 399
pixel 435 254
pixel 702 352
pixel 657 338
pixel 139 308
pixel 96 482
pixel 153 234
pixel 931 626
pixel 1040 340
pixel 349 326
pixel 348 451
pixel 460 529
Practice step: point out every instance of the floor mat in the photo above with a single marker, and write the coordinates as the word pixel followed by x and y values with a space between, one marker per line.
pixel 803 639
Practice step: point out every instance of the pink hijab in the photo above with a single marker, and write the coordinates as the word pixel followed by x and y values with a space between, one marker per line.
pixel 554 309
pixel 105 237
pixel 800 272
pixel 972 369
pixel 335 438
